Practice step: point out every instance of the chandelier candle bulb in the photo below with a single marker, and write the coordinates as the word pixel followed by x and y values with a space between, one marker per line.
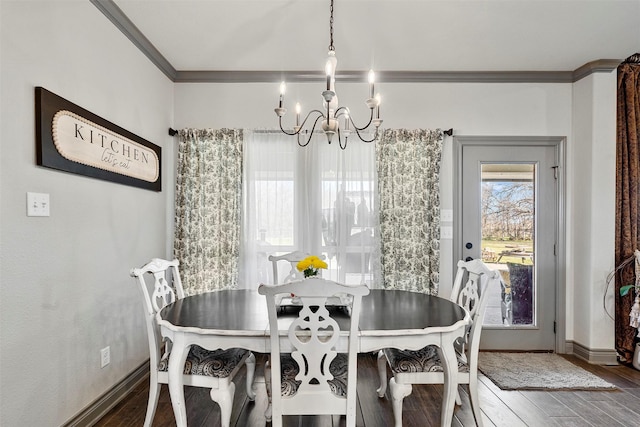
pixel 298 108
pixel 283 88
pixel 378 106
pixel 372 78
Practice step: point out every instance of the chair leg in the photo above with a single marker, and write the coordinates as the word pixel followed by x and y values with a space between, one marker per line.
pixel 382 373
pixel 250 362
pixel 475 402
pixel 398 393
pixel 267 383
pixel 154 394
pixel 224 398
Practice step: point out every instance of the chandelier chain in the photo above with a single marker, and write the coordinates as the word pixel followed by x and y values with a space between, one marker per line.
pixel 331 48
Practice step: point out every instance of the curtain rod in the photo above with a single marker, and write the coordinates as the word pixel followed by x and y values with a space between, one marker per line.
pixel 173 132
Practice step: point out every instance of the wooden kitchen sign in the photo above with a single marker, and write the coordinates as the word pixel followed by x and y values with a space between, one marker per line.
pixel 72 139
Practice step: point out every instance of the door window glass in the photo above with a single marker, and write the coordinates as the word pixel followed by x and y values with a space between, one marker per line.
pixel 508 241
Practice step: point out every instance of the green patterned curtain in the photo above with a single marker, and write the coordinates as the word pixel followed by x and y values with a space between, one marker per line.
pixel 208 208
pixel 408 163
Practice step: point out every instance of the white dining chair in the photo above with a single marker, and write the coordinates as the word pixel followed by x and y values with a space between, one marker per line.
pixel 292 258
pixel 160 284
pixel 313 376
pixel 424 366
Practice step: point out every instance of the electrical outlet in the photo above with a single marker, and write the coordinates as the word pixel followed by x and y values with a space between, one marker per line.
pixel 446 232
pixel 105 356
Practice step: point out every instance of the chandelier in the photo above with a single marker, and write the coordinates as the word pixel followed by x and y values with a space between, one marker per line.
pixel 336 119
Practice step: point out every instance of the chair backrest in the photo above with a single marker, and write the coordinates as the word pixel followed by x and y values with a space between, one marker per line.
pixel 313 336
pixel 470 286
pixel 160 285
pixel 292 258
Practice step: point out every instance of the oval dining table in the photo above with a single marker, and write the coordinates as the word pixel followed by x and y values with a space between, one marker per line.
pixel 238 318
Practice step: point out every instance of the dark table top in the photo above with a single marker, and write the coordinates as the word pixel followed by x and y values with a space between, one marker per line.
pixel 246 310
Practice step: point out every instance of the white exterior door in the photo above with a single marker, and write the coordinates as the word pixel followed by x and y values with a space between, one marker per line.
pixel 508 215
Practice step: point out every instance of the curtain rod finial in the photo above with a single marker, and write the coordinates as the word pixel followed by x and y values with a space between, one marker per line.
pixel 633 59
pixel 172 132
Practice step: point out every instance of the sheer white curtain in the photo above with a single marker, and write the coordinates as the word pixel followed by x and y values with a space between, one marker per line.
pixel 317 199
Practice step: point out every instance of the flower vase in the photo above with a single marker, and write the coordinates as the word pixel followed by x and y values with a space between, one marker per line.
pixel 309 273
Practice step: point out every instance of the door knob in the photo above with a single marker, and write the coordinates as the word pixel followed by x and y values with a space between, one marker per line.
pixel 469 245
pixel 468 259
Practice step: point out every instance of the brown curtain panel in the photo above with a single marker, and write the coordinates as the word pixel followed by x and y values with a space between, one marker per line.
pixel 627 197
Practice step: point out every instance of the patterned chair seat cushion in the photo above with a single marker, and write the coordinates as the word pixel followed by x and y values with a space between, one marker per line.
pixel 424 360
pixel 218 363
pixel 337 367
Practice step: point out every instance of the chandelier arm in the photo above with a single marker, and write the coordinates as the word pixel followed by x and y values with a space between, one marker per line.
pixel 320 114
pixel 363 127
pixel 340 140
pixel 339 113
pixel 345 110
pixel 283 130
pixel 310 133
pixel 301 127
pixel 375 136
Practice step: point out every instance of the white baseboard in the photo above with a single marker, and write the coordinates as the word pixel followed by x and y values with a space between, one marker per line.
pixel 99 407
pixel 595 356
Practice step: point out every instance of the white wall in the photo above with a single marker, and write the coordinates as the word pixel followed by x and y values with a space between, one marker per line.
pixel 65 288
pixel 584 112
pixel 592 229
pixel 468 108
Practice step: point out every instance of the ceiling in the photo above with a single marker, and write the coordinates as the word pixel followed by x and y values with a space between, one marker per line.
pixel 386 35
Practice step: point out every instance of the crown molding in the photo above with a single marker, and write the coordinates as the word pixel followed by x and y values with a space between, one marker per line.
pixel 599 66
pixel 381 76
pixel 124 24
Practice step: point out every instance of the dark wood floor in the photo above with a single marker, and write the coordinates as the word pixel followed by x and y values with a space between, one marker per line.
pixel 421 408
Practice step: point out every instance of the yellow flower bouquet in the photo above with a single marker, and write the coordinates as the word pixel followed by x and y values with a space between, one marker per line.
pixel 311 265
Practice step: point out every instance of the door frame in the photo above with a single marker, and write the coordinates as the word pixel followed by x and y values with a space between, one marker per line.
pixel 559 142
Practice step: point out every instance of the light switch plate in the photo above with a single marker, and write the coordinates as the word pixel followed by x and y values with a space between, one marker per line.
pixel 38 204
pixel 446 215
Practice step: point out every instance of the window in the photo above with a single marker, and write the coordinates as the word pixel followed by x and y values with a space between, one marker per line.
pixel 317 199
